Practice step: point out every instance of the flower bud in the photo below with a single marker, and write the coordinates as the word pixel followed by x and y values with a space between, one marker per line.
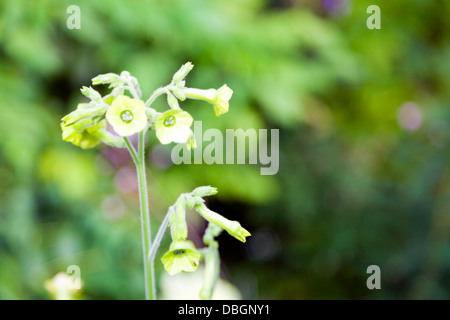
pixel 178 225
pixel 204 191
pixel 172 101
pixel 105 78
pixel 182 72
pixel 83 111
pixel 91 94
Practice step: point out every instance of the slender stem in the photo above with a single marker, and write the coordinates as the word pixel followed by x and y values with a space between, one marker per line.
pixel 139 160
pixel 155 95
pixel 145 217
pixel 159 235
pixel 149 251
pixel 133 152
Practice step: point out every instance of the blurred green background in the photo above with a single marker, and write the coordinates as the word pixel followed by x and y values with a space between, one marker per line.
pixel 364 144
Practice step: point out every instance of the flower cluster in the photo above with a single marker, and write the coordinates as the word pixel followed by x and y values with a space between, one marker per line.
pixel 87 126
pixel 182 254
pixel 113 118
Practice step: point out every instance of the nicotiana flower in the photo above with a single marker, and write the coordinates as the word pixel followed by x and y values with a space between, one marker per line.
pixel 218 98
pixel 91 136
pixel 81 139
pixel 234 228
pixel 173 125
pixel 182 256
pixel 127 116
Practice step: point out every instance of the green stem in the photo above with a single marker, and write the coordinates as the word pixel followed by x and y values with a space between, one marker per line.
pixel 159 235
pixel 155 95
pixel 139 160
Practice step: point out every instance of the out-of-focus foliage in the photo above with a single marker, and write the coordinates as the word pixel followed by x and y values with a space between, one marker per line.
pixel 364 143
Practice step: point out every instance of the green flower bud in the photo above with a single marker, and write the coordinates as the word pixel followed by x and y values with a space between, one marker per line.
pixel 204 191
pixel 172 101
pixel 173 125
pixel 218 98
pixel 178 225
pixel 91 94
pixel 182 72
pixel 182 256
pixel 212 270
pixel 127 116
pixel 105 78
pixel 234 228
pixel 83 124
pixel 83 111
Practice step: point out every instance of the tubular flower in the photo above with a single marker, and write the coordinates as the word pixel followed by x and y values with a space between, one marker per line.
pixel 127 116
pixel 182 256
pixel 82 139
pixel 218 98
pixel 234 228
pixel 173 125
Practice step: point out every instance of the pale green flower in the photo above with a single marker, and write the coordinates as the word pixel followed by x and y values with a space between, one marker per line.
pixel 173 125
pixel 82 139
pixel 127 116
pixel 218 98
pixel 182 256
pixel 234 228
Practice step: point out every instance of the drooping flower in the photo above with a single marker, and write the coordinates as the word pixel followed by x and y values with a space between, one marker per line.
pixel 127 116
pixel 89 136
pixel 182 256
pixel 218 98
pixel 82 139
pixel 173 125
pixel 234 228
